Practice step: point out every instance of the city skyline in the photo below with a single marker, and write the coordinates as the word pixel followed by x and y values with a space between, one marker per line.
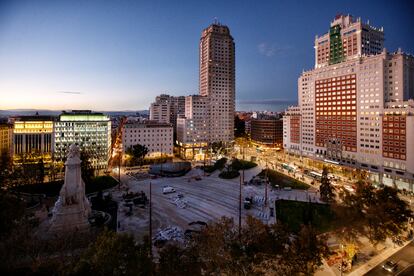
pixel 74 56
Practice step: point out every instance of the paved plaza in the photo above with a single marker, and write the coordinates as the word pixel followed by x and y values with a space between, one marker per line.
pixel 205 200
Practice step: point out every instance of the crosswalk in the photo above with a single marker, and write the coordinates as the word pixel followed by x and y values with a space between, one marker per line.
pixel 259 200
pixel 264 216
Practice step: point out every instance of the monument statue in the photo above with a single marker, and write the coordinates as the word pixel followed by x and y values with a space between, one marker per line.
pixel 72 209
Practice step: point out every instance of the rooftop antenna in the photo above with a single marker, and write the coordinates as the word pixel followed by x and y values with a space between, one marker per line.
pixel 215 21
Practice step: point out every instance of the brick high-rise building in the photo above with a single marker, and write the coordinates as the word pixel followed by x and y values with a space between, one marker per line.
pixel 348 38
pixel 356 106
pixel 217 80
pixel 209 117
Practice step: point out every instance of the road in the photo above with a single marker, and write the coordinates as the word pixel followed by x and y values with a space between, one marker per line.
pixel 207 200
pixel 405 259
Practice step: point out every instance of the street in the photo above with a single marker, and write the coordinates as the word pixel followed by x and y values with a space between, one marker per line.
pixel 207 200
pixel 404 259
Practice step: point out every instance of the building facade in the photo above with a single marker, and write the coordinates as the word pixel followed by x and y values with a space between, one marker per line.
pixel 267 131
pixel 193 129
pixel 348 38
pixel 209 117
pixel 157 137
pixel 353 107
pixel 6 134
pixel 166 109
pixel 32 139
pixel 91 131
pixel 217 80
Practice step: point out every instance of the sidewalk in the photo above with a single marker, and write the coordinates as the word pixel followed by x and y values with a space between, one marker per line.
pixel 377 260
pixel 325 270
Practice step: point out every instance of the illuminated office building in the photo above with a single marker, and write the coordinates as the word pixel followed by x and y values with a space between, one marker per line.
pixel 32 138
pixel 91 131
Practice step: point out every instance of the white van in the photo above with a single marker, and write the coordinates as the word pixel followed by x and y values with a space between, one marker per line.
pixel 168 190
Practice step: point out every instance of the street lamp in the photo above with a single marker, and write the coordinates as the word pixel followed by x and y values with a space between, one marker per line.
pixel 150 218
pixel 119 170
pixel 240 204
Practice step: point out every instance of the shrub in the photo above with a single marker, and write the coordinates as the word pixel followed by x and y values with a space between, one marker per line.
pixel 229 174
pixel 219 165
pixel 238 164
pixel 282 180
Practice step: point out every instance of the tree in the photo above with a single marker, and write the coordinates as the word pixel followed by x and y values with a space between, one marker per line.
pixel 138 152
pixel 218 148
pixel 259 250
pixel 40 171
pixel 387 216
pixel 214 247
pixel 11 211
pixel 176 260
pixel 115 254
pixel 87 170
pixel 326 189
pixel 5 167
pixel 239 127
pixel 377 214
pixel 307 251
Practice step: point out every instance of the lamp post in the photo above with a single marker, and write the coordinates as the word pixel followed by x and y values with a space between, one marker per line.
pixel 240 204
pixel 119 170
pixel 266 180
pixel 150 218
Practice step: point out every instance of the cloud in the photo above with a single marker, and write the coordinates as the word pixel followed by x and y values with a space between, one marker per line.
pixel 269 50
pixel 267 101
pixel 70 92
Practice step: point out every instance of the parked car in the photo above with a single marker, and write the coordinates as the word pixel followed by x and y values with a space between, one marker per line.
pixel 390 266
pixel 168 190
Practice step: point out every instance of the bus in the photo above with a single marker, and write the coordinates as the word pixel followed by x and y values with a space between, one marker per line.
pixel 289 167
pixel 315 175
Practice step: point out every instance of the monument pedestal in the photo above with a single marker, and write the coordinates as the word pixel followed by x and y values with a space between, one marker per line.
pixel 69 218
pixel 72 209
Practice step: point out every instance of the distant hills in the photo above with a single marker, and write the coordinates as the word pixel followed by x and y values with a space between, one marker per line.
pixel 24 112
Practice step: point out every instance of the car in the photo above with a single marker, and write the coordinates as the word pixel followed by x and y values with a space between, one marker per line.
pixel 168 190
pixel 390 266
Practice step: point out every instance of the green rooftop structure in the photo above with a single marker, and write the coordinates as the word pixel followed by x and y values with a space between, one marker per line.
pixel 336 53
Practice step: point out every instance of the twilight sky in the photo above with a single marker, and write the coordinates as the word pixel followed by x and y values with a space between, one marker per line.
pixel 118 55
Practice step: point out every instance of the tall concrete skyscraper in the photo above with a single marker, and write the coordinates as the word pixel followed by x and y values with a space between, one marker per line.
pixel 209 116
pixel 217 80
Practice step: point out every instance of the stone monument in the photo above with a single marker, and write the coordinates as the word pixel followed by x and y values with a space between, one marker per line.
pixel 72 209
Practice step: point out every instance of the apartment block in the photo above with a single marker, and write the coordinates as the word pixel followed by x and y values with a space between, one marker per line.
pixel 193 130
pixel 6 135
pixel 166 109
pixel 356 108
pixel 157 137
